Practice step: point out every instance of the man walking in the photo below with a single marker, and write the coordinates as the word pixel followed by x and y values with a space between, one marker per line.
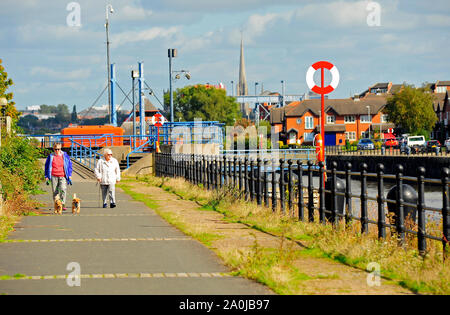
pixel 107 172
pixel 58 170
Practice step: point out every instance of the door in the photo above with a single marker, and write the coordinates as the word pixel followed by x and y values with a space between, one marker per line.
pixel 330 138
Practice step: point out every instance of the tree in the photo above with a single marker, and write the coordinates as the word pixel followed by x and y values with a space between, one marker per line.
pixel 207 103
pixel 412 109
pixel 5 83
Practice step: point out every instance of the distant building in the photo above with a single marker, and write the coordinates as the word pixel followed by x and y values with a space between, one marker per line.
pixel 346 119
pixel 242 87
pixel 33 108
pixel 441 105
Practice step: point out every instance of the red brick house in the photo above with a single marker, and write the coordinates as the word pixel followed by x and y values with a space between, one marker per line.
pixel 345 119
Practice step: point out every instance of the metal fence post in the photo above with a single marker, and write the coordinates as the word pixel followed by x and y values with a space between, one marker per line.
pixel 220 171
pixel 225 173
pixel 208 172
pixel 217 180
pixel 363 198
pixel 310 193
pixel 282 188
pixel 258 181
pixel 334 201
pixel 246 192
pixel 380 202
pixel 400 220
pixel 301 203
pixel 321 192
pixel 230 173
pixel 240 174
pixel 252 181
pixel 445 211
pixel 274 186
pixel 421 229
pixel 234 173
pixel 266 184
pixel 290 187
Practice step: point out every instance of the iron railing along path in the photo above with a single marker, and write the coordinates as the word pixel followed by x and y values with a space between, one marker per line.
pixel 298 189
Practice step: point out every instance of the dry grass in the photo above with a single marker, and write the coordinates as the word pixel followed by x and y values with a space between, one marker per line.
pixel 345 244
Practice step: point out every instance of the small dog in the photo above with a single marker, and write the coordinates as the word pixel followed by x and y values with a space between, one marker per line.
pixel 58 205
pixel 76 204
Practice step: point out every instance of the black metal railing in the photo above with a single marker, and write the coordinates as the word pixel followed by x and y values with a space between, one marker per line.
pixel 387 151
pixel 312 193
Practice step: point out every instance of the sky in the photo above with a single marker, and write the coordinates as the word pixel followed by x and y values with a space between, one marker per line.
pixel 52 60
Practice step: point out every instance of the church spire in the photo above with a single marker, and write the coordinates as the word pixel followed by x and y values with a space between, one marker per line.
pixel 242 88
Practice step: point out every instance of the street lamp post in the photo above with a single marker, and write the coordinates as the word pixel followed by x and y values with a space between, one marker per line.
pixel 172 53
pixel 282 91
pixel 257 106
pixel 232 88
pixel 109 9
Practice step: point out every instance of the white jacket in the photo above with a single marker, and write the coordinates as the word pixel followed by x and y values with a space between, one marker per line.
pixel 107 171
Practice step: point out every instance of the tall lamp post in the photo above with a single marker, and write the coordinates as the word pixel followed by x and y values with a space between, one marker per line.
pixel 257 106
pixel 282 92
pixel 109 9
pixel 172 53
pixel 232 88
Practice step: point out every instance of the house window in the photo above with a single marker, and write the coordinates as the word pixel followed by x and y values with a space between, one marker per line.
pixel 384 118
pixel 350 135
pixel 309 122
pixel 349 119
pixel 331 119
pixel 308 136
pixel 441 89
pixel 299 121
pixel 366 119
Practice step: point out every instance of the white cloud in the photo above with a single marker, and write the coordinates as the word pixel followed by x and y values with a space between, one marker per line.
pixel 140 36
pixel 132 13
pixel 63 75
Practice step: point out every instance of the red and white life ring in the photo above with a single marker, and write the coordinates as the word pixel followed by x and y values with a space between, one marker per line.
pixel 158 120
pixel 310 77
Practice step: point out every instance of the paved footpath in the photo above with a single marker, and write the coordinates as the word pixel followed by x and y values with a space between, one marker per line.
pixel 125 250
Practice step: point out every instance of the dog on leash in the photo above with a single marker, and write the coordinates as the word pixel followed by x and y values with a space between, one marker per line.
pixel 58 205
pixel 76 204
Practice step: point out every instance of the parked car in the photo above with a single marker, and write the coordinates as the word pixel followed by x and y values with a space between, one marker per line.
pixel 416 143
pixel 365 144
pixel 393 143
pixel 432 145
pixel 447 144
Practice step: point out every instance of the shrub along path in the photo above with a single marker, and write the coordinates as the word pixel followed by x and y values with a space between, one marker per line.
pixel 125 250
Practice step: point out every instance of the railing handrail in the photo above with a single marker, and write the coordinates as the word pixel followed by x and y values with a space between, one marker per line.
pixel 288 190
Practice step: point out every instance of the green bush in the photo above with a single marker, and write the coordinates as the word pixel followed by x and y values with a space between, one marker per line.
pixel 19 166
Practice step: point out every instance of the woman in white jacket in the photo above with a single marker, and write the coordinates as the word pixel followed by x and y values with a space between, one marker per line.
pixel 107 172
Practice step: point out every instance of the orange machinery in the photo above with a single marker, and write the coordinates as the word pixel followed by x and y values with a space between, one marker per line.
pixel 92 136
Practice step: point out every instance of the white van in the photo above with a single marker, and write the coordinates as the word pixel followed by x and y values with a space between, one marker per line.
pixel 417 143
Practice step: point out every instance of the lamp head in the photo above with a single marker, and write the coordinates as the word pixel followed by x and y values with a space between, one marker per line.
pixel 188 75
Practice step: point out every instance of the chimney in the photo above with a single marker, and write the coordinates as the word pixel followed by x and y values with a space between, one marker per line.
pixel 356 98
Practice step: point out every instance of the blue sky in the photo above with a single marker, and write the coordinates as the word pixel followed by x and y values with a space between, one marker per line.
pixel 51 62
